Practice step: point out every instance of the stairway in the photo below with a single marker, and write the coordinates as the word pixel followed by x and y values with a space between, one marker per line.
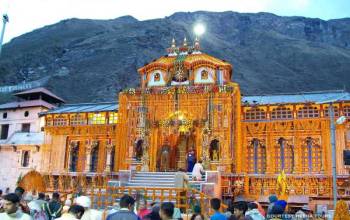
pixel 149 181
pixel 152 180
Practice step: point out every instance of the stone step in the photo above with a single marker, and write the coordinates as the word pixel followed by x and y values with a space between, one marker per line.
pixel 151 181
pixel 165 185
pixel 152 176
pixel 161 173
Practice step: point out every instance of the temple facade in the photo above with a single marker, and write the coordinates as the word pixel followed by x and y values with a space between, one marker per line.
pixel 187 102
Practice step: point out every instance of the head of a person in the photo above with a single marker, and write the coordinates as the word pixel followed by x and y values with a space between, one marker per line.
pixel 215 204
pixel 252 205
pixel 273 198
pixel 155 208
pixel 77 211
pixel 56 196
pixel 200 161
pixel 7 190
pixel 41 196
pixel 239 209
pixel 197 217
pixel 83 201
pixel 166 210
pixel 127 202
pixel 11 203
pixel 19 192
pixel 28 198
pixel 47 197
pixel 0 193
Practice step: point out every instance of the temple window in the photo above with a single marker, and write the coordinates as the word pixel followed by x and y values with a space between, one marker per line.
pixel 284 156
pixel 256 157
pixel 255 114
pixel 311 157
pixel 281 113
pixel 74 153
pixel 25 159
pixel 214 150
pixel 156 77
pixel 60 120
pixel 94 158
pixel 78 119
pixel 308 112
pixel 335 110
pixel 97 118
pixel 204 75
pixel 113 118
pixel 346 110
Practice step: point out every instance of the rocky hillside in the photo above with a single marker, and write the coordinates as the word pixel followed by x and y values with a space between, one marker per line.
pixel 91 60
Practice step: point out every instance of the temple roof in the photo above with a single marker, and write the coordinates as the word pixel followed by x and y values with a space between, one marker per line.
pixel 33 94
pixel 25 138
pixel 84 107
pixel 307 97
pixel 190 60
pixel 27 104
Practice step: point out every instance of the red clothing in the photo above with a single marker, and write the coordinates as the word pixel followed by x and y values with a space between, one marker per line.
pixel 24 207
pixel 143 212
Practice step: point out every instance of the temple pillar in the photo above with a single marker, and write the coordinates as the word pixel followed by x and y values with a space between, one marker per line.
pixel 88 149
pixel 270 168
pixel 109 149
pixel 297 154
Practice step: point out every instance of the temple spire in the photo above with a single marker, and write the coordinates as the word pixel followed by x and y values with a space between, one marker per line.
pixel 185 42
pixel 196 47
pixel 173 45
pixel 173 50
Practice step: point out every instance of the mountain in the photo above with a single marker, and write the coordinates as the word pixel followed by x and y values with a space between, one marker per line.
pixel 92 60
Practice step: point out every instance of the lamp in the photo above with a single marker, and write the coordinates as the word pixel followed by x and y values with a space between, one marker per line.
pixel 339 121
pixel 199 29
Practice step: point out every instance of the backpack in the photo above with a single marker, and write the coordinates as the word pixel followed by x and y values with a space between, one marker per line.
pixel 51 215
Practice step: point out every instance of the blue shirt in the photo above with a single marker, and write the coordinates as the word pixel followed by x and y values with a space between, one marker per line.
pixel 218 216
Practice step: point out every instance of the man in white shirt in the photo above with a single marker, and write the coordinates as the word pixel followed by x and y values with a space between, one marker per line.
pixel 198 171
pixel 12 210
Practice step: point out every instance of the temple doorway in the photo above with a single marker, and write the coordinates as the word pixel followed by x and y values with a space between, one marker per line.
pixel 173 153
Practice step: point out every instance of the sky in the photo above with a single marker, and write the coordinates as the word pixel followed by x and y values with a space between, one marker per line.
pixel 27 15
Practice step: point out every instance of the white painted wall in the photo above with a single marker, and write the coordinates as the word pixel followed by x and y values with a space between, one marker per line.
pixel 15 119
pixel 11 167
pixel 10 161
pixel 198 75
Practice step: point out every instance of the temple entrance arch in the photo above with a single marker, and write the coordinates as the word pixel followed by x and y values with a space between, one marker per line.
pixel 178 139
pixel 32 182
pixel 172 153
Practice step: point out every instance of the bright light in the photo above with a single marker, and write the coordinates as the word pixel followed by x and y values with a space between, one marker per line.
pixel 199 29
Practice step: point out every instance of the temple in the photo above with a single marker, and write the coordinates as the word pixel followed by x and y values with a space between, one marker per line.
pixel 187 102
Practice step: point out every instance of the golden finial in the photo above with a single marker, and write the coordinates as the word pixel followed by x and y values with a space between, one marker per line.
pixel 173 45
pixel 185 42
